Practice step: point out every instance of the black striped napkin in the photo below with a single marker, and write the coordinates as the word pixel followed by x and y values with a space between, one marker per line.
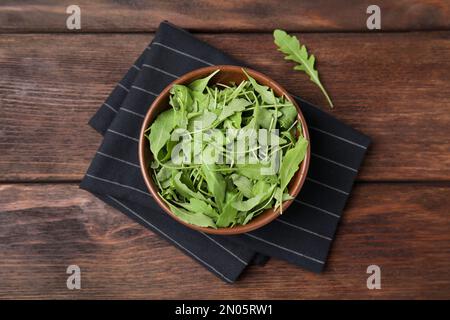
pixel 303 235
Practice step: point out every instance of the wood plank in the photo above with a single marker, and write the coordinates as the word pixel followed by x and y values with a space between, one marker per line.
pixel 403 228
pixel 247 15
pixel 393 87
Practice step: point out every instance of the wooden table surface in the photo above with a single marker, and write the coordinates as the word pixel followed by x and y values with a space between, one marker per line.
pixel 393 85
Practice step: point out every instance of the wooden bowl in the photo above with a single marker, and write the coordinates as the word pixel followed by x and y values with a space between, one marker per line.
pixel 226 75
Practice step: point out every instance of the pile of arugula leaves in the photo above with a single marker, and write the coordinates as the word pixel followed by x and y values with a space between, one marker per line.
pixel 220 194
pixel 297 52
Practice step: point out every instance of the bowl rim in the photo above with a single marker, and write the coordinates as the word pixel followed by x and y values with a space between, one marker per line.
pixel 264 217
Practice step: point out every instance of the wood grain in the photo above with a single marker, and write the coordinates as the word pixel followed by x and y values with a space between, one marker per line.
pixel 242 15
pixel 46 227
pixel 393 87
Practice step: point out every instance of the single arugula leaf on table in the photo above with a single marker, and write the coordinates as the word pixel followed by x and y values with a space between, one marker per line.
pixel 295 51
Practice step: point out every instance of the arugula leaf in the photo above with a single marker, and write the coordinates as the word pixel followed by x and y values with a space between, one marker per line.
pixel 297 52
pixel 181 97
pixel 236 119
pixel 201 100
pixel 265 117
pixel 236 105
pixel 183 190
pixel 164 174
pixel 249 204
pixel 198 218
pixel 260 187
pixel 215 182
pixel 248 218
pixel 160 131
pixel 291 162
pixel 281 197
pixel 200 84
pixel 243 184
pixel 197 205
pixel 229 213
pixel 254 171
pixel 289 114
pixel 205 120
pixel 265 92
